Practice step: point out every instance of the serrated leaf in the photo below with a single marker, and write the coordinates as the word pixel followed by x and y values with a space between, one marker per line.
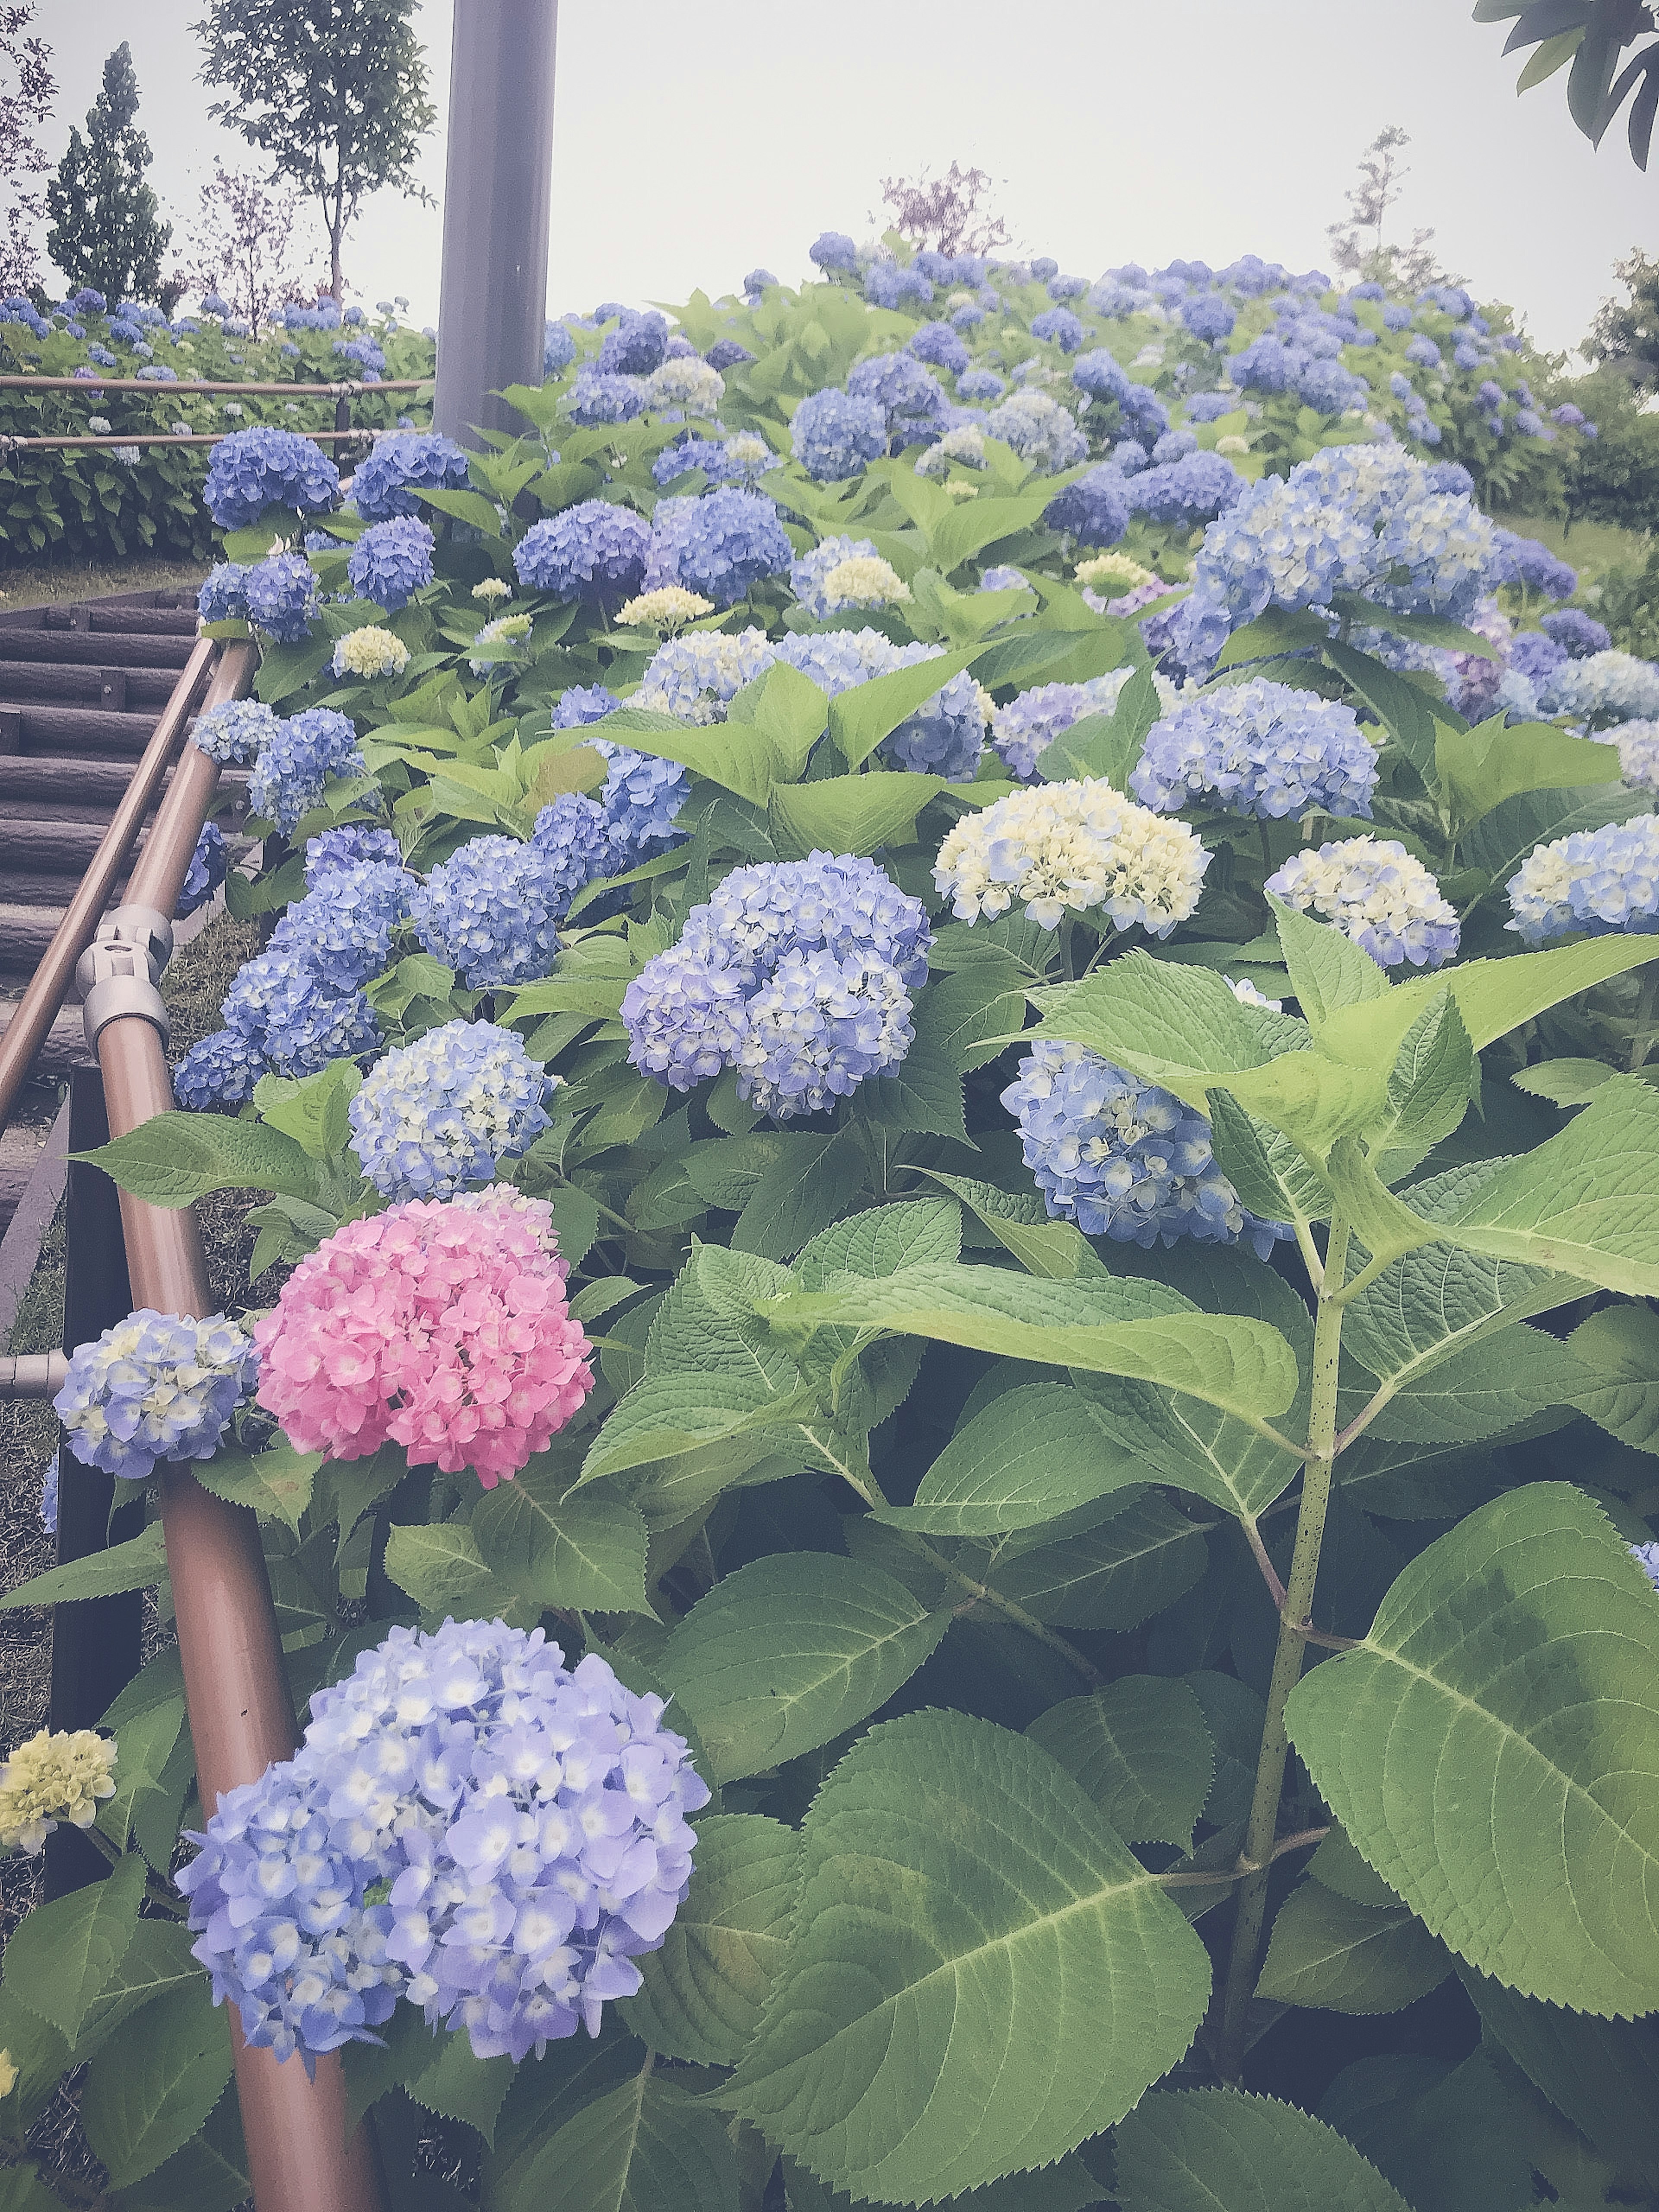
pixel 1403 707
pixel 1068 2186
pixel 60 1956
pixel 1330 1953
pixel 921 1096
pixel 805 1193
pixel 1142 1750
pixel 458 2085
pixel 1620 1347
pixel 790 1651
pixel 276 1483
pixel 851 814
pixel 1432 1080
pixel 920 1231
pixel 1019 1221
pixel 1270 1176
pixel 705 1988
pixel 1328 970
pixel 1479 1390
pixel 156 1961
pixel 139 1563
pixel 862 717
pixel 1113 1576
pixel 143 1750
pixel 1492 1749
pixel 1602 2074
pixel 173 1159
pixel 146 2096
pixel 967 1014
pixel 575 1553
pixel 1217 2150
pixel 1480 768
pixel 1197 1447
pixel 1032 1454
pixel 208 2174
pixel 980 1976
pixel 443 1571
pixel 1175 1025
pixel 644 2146
pixel 1499 844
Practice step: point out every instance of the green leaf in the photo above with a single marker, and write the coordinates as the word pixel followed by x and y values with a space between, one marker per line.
pixel 980 1976
pixel 1479 1390
pixel 1620 1347
pixel 173 1159
pixel 1142 1750
pixel 139 1563
pixel 1033 1453
pixel 1146 1554
pixel 1328 969
pixel 1105 745
pixel 468 506
pixel 147 2094
pixel 850 813
pixel 156 1962
pixel 1602 2074
pixel 1498 844
pixel 805 1190
pixel 1177 1438
pixel 312 1109
pixel 1404 708
pixel 705 1988
pixel 1492 1749
pixel 645 2146
pixel 143 1750
pixel 1432 1080
pixel 580 1553
pixel 1564 1082
pixel 454 2083
pixel 956 536
pixel 737 756
pixel 880 1242
pixel 60 1956
pixel 276 1483
pixel 1263 1166
pixel 967 1015
pixel 1424 629
pixel 443 1571
pixel 1338 1956
pixel 1019 1221
pixel 1280 630
pixel 1178 1026
pixel 1217 2150
pixel 790 1651
pixel 1066 2187
pixel 1110 1327
pixel 922 1096
pixel 1480 768
pixel 209 2174
pixel 860 718
pixel 789 711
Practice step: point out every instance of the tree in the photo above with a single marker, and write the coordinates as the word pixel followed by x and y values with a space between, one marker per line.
pixel 106 227
pixel 945 213
pixel 1625 332
pixel 1588 38
pixel 335 91
pixel 27 94
pixel 242 241
pixel 1358 245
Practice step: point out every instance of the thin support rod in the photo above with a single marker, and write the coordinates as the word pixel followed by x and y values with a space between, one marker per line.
pixel 155 390
pixel 38 1008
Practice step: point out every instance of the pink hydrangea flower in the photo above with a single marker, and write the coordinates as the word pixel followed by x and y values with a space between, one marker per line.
pixel 442 1326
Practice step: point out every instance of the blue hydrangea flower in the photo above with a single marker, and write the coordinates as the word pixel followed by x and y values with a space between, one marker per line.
pixel 1578 635
pixel 221 1070
pixel 722 545
pixel 341 930
pixel 437 1115
pixel 1001 576
pixel 1599 881
pixel 939 345
pixel 1033 720
pixel 982 384
pixel 391 561
pixel 290 1020
pixel 295 762
pixel 155 1388
pixel 574 836
pixel 696 678
pixel 759 280
pixel 726 353
pixel 1059 326
pixel 1646 1557
pixel 1330 389
pixel 1186 492
pixel 558 350
pixel 593 551
pixel 233 732
pixel 1603 688
pixel 944 737
pixel 1124 1158
pixel 833 249
pixel 206 870
pixel 262 467
pixel 1095 510
pixel 1099 374
pixel 223 597
pixel 849 906
pixel 490 912
pixel 637 345
pixel 1207 315
pixel 1175 446
pixel 524 1825
pixel 394 469
pixel 910 399
pixel 641 801
pixel 583 703
pixel 1130 456
pixel 1211 406
pixel 1374 890
pixel 1261 749
pixel 686 1018
pixel 348 847
pixel 708 454
pixel 597 397
pixel 281 596
pixel 817 1027
pixel 887 285
pixel 1040 430
pixel 1524 561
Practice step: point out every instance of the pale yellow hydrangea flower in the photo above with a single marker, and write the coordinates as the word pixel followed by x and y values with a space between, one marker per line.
pixel 1232 443
pixel 668 608
pixel 370 651
pixel 1079 845
pixel 51 1778
pixel 493 588
pixel 7 2074
pixel 1115 570
pixel 864 580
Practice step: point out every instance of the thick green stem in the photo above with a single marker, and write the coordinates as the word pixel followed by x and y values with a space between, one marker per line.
pixel 1259 1836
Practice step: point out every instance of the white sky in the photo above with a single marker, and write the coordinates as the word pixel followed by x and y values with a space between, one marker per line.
pixel 693 143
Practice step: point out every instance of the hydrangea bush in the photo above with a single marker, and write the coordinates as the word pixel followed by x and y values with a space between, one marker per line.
pixel 958 1441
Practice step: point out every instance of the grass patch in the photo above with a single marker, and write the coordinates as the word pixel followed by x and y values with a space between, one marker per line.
pixel 1592 548
pixel 47 583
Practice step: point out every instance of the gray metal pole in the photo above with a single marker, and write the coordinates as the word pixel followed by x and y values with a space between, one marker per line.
pixel 498 192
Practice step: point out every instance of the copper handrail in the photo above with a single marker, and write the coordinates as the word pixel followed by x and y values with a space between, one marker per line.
pixel 241 1714
pixel 158 386
pixel 38 1007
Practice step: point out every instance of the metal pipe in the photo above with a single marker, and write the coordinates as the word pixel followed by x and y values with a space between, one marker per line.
pixel 498 192
pixel 168 438
pixel 32 1374
pixel 242 1716
pixel 38 1007
pixel 159 390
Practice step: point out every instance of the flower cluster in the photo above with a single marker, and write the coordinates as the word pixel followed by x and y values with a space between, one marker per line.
pixel 234 731
pixel 440 1325
pixel 1077 845
pixel 1095 510
pixel 223 594
pixel 842 574
pixel 206 871
pixel 441 1113
pixel 391 561
pixel 490 912
pixel 592 551
pixel 295 761
pixel 348 847
pixel 720 544
pixel 152 1387
pixel 509 630
pixel 53 1777
pixel 395 469
pixel 524 1824
pixel 1043 434
pixel 1374 891
pixel 1262 749
pixel 696 678
pixel 1193 489
pixel 670 607
pixel 1123 1158
pixel 1603 688
pixel 1032 720
pixel 281 592
pixel 1638 753
pixel 641 800
pixel 253 470
pixel 370 651
pixel 833 435
pixel 1596 881
pixel 798 974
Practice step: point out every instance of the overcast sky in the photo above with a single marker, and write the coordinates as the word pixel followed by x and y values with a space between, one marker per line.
pixel 693 143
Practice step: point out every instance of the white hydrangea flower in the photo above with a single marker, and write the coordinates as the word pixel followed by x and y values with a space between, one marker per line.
pixel 1638 753
pixel 864 580
pixel 1247 995
pixel 370 651
pixel 493 588
pixel 1116 570
pixel 1078 846
pixel 685 381
pixel 966 444
pixel 667 608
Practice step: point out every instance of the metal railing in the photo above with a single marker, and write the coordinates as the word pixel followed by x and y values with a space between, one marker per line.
pixel 342 394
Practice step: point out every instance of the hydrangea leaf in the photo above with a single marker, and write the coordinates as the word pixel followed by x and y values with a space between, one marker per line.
pixel 1168 1023
pixel 1141 1749
pixel 963 530
pixel 1263 1166
pixel 61 1956
pixel 582 1553
pixel 1337 1955
pixel 1492 1749
pixel 1499 843
pixel 737 756
pixel 1480 768
pixel 980 1976
pixel 1328 969
pixel 862 717
pixel 139 1563
pixel 705 1989
pixel 849 813
pixel 645 2146
pixel 157 1960
pixel 1067 2186
pixel 443 1571
pixel 276 1483
pixel 1602 2074
pixel 792 1650
pixel 146 1745
pixel 174 1158
pixel 1620 1347
pixel 1217 2150
pixel 1140 1557
pixel 202 2175
pixel 1031 1455
pixel 803 1193
pixel 147 2094
pixel 1019 1221
pixel 919 1232
pixel 1457 2140
pixel 1476 1390
pixel 1178 1439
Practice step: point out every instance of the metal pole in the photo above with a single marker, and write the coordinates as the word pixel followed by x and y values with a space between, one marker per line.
pixel 498 190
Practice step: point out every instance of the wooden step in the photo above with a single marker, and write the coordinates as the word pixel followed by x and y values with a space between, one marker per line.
pixel 73 647
pixel 130 621
pixel 64 684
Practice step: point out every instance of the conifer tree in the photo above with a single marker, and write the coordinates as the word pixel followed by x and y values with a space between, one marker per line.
pixel 107 230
